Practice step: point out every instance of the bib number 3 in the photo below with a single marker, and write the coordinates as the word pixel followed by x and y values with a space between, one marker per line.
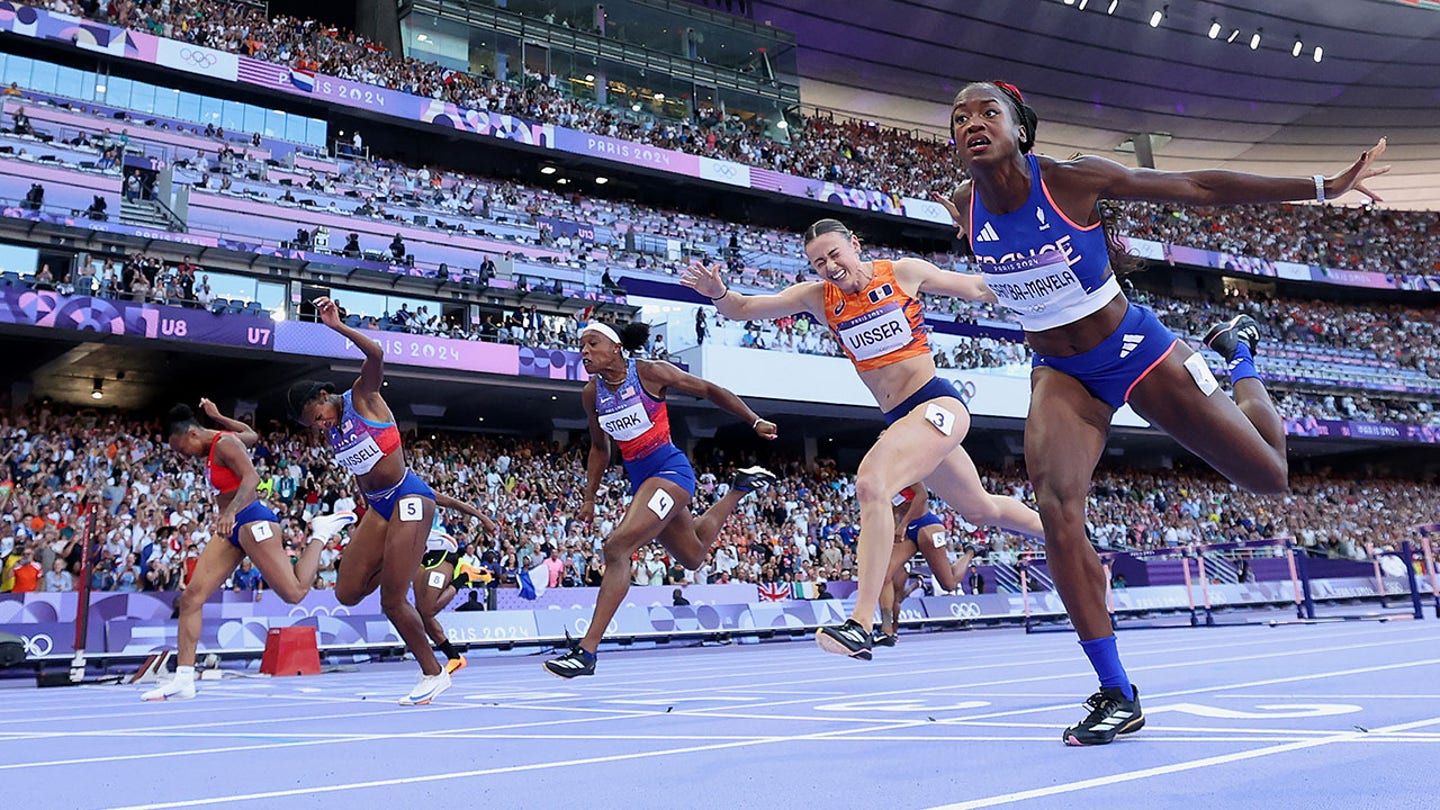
pixel 942 419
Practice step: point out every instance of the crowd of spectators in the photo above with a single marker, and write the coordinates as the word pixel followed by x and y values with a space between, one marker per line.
pixel 153 513
pixel 853 153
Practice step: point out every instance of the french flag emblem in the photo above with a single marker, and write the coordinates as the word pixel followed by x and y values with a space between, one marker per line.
pixel 881 293
pixel 303 79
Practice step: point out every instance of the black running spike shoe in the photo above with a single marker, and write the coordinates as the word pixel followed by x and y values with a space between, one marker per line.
pixel 752 479
pixel 848 639
pixel 880 638
pixel 572 664
pixel 1225 337
pixel 1110 714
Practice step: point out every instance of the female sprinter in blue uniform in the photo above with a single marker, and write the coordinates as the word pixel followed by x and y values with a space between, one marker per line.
pixel 246 527
pixel 917 529
pixel 625 400
pixel 873 307
pixel 1036 231
pixel 386 546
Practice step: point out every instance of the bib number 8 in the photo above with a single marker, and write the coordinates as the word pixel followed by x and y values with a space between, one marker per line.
pixel 410 509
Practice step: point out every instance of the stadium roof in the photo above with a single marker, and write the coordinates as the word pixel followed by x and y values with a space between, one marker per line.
pixel 1098 79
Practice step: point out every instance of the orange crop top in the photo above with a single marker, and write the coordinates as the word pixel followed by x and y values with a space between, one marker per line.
pixel 879 325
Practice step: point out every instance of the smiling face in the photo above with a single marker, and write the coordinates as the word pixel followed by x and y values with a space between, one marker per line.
pixel 836 257
pixel 984 125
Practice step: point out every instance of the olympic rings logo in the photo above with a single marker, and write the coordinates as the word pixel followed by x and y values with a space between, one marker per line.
pixel 201 59
pixel 38 645
pixel 302 612
pixel 966 389
pixel 965 610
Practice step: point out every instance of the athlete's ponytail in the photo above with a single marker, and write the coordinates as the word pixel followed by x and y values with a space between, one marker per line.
pixel 634 335
pixel 180 420
pixel 303 393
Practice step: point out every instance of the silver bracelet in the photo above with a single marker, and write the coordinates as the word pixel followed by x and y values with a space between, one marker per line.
pixel 1319 188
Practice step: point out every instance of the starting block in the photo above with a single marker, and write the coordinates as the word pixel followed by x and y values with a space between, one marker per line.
pixel 290 651
pixel 152 668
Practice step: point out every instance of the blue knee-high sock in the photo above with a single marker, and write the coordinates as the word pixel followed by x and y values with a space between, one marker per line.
pixel 1242 365
pixel 1105 658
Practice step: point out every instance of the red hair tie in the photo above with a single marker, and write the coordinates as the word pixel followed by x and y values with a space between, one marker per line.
pixel 1012 88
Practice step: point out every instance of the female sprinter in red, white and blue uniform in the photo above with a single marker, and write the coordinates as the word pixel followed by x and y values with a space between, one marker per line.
pixel 625 400
pixel 1039 240
pixel 246 527
pixel 388 543
pixel 873 307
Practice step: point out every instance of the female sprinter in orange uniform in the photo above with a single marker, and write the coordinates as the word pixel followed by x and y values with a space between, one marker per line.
pixel 387 545
pixel 246 527
pixel 625 400
pixel 874 309
pixel 1036 231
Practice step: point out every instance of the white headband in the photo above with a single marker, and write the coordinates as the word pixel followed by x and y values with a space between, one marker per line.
pixel 602 329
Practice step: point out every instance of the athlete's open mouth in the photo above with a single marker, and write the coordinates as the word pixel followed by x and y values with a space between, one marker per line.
pixel 977 144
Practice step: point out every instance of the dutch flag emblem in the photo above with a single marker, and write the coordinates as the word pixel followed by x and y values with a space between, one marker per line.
pixel 303 79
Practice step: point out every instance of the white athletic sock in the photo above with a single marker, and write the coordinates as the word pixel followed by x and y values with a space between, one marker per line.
pixel 185 673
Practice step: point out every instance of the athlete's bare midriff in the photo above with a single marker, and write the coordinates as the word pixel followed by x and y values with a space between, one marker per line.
pixel 1082 335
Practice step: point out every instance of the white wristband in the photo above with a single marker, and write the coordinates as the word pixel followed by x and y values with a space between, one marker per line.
pixel 758 420
pixel 1319 188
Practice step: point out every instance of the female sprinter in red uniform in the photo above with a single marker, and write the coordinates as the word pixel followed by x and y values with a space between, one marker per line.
pixel 1035 228
pixel 916 529
pixel 387 545
pixel 625 400
pixel 246 527
pixel 437 583
pixel 874 309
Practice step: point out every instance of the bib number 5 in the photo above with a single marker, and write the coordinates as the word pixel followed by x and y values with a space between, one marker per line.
pixel 411 509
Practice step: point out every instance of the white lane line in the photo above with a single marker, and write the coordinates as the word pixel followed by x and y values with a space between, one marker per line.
pixel 537 766
pixel 1176 767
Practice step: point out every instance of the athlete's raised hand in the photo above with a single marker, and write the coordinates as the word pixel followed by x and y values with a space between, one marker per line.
pixel 329 311
pixel 705 279
pixel 1353 178
pixel 766 429
pixel 209 408
pixel 952 211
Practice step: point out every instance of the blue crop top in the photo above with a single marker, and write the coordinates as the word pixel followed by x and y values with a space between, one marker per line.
pixel 1048 270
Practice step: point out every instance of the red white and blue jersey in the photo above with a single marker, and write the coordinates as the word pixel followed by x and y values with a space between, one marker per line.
pixel 638 422
pixel 359 444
